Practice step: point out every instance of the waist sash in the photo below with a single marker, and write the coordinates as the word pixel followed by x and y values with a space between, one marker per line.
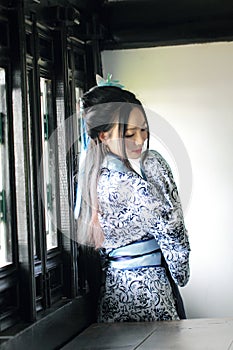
pixel 138 254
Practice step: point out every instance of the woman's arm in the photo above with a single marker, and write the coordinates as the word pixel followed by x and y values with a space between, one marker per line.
pixel 131 208
pixel 172 238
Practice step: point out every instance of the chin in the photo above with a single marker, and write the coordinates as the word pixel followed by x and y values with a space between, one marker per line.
pixel 134 156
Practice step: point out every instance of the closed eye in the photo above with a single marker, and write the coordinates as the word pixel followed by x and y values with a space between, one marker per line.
pixel 131 135
pixel 142 130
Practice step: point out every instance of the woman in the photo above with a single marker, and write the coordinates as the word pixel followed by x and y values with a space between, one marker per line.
pixel 133 217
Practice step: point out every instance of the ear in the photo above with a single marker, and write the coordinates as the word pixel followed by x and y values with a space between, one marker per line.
pixel 103 136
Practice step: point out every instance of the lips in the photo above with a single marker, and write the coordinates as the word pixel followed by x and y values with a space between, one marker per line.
pixel 138 151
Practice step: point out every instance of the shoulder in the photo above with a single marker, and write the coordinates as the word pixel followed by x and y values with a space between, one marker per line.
pixel 152 155
pixel 118 176
pixel 154 160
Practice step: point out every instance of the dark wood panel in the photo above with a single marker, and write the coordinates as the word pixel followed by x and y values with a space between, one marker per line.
pixel 54 330
pixel 144 23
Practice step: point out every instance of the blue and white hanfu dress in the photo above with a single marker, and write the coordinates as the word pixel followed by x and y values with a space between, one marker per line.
pixel 144 230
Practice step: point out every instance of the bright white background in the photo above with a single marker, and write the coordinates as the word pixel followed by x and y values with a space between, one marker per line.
pixel 191 88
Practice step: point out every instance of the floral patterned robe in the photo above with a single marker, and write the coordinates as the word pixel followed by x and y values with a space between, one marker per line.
pixel 133 208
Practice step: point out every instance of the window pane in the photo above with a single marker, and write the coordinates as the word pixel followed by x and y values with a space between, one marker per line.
pixel 49 162
pixel 31 153
pixel 78 126
pixel 5 233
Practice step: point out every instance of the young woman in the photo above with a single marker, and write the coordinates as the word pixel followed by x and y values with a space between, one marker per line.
pixel 133 217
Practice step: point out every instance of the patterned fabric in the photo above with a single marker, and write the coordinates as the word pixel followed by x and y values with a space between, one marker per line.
pixel 131 209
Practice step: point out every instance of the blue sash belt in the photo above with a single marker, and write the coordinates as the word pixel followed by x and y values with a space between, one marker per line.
pixel 138 254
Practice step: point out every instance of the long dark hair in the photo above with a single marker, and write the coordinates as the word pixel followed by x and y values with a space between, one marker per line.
pixel 104 107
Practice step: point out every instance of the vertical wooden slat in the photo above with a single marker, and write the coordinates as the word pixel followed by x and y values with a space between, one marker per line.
pixel 25 243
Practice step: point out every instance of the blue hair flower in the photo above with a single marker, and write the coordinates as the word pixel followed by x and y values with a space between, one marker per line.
pixel 108 82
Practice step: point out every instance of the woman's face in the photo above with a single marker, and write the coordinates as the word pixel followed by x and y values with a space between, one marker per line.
pixel 135 135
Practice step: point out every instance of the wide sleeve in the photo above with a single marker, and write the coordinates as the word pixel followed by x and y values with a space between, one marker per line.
pixel 172 238
pixel 131 208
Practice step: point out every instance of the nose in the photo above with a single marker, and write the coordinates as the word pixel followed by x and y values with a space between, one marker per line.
pixel 139 138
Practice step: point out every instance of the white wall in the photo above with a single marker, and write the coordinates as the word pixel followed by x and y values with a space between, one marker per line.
pixel 191 89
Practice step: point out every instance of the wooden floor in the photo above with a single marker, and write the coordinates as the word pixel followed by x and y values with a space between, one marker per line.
pixel 192 334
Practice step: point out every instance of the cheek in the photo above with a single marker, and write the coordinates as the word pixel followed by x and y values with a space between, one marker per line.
pixel 129 143
pixel 112 143
pixel 145 135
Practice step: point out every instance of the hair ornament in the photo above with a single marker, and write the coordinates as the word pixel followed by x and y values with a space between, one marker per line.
pixel 108 82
